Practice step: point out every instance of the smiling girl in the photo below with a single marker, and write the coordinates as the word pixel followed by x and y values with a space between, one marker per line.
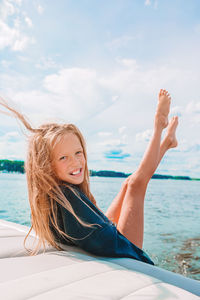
pixel 63 210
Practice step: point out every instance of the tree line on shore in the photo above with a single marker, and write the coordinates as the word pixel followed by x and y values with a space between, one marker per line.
pixel 12 165
pixel 18 166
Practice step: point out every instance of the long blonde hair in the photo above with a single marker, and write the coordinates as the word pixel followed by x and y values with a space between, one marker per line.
pixel 43 185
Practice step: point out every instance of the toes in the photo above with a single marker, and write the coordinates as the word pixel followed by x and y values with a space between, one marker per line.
pixel 173 120
pixel 176 118
pixel 165 92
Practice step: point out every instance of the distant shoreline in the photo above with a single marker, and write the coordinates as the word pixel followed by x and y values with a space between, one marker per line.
pixel 105 173
pixel 10 166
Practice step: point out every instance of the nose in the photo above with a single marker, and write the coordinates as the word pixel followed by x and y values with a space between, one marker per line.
pixel 74 160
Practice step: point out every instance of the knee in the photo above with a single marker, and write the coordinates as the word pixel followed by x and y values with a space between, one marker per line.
pixel 136 180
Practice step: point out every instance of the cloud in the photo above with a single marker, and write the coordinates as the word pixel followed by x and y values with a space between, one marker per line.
pixel 177 110
pixel 6 9
pixel 116 154
pixel 147 2
pixel 11 34
pixel 40 9
pixel 18 2
pixel 12 136
pixel 12 37
pixel 193 108
pixel 113 142
pixel 186 146
pixel 45 63
pixel 144 136
pixel 122 129
pixel 80 90
pixel 122 41
pixel 104 134
pixel 12 146
pixel 84 93
pixel 127 62
pixel 28 21
pixel 6 63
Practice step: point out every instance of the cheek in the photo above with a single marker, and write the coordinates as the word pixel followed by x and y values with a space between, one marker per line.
pixel 58 167
pixel 83 160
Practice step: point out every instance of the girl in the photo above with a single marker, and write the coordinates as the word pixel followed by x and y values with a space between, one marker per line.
pixel 63 210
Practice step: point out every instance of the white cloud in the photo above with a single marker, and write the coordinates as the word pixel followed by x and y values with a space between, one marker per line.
pixel 40 9
pixel 122 129
pixel 122 41
pixel 71 81
pixel 112 143
pixel 177 110
pixel 144 136
pixel 28 21
pixel 40 107
pixel 6 63
pixel 104 134
pixel 115 98
pixel 80 91
pixel 11 136
pixel 130 63
pixel 12 146
pixel 45 63
pixel 18 2
pixel 6 9
pixel 193 107
pixel 11 34
pixel 13 38
pixel 147 2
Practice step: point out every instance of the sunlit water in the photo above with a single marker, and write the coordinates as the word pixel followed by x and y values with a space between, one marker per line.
pixel 172 218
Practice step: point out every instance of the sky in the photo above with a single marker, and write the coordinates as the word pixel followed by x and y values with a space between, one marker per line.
pixel 100 65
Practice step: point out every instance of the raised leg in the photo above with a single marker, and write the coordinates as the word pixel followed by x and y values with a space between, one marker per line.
pixel 131 219
pixel 114 210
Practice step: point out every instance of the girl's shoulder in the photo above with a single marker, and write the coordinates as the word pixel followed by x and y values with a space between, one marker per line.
pixel 69 189
pixel 74 194
pixel 80 201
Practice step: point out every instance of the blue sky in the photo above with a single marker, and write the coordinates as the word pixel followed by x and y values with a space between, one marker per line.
pixel 100 65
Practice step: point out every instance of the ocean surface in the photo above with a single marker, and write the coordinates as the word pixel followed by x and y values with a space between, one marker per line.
pixel 172 217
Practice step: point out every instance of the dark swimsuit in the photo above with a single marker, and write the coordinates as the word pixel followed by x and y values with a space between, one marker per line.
pixel 104 240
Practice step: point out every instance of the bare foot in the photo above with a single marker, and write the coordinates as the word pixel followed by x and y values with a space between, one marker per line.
pixel 162 111
pixel 170 136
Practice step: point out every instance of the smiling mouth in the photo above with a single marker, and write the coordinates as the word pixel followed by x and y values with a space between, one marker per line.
pixel 76 172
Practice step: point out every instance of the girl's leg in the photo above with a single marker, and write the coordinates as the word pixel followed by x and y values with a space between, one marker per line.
pixel 114 210
pixel 131 218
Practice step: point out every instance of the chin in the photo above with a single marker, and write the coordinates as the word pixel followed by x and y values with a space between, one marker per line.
pixel 76 181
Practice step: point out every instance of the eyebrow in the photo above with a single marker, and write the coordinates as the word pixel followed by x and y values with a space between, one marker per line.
pixel 64 154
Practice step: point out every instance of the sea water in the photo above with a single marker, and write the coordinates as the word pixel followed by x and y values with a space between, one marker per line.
pixel 172 218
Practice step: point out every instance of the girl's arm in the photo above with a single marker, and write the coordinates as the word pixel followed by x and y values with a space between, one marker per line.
pixel 113 211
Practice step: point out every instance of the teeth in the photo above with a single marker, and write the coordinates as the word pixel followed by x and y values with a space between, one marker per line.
pixel 76 172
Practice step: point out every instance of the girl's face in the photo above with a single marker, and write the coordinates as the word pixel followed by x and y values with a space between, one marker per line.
pixel 69 160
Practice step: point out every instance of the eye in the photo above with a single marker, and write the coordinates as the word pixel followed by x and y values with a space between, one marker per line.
pixel 79 152
pixel 63 157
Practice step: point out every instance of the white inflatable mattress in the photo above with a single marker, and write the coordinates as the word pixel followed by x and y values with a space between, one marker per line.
pixel 75 274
